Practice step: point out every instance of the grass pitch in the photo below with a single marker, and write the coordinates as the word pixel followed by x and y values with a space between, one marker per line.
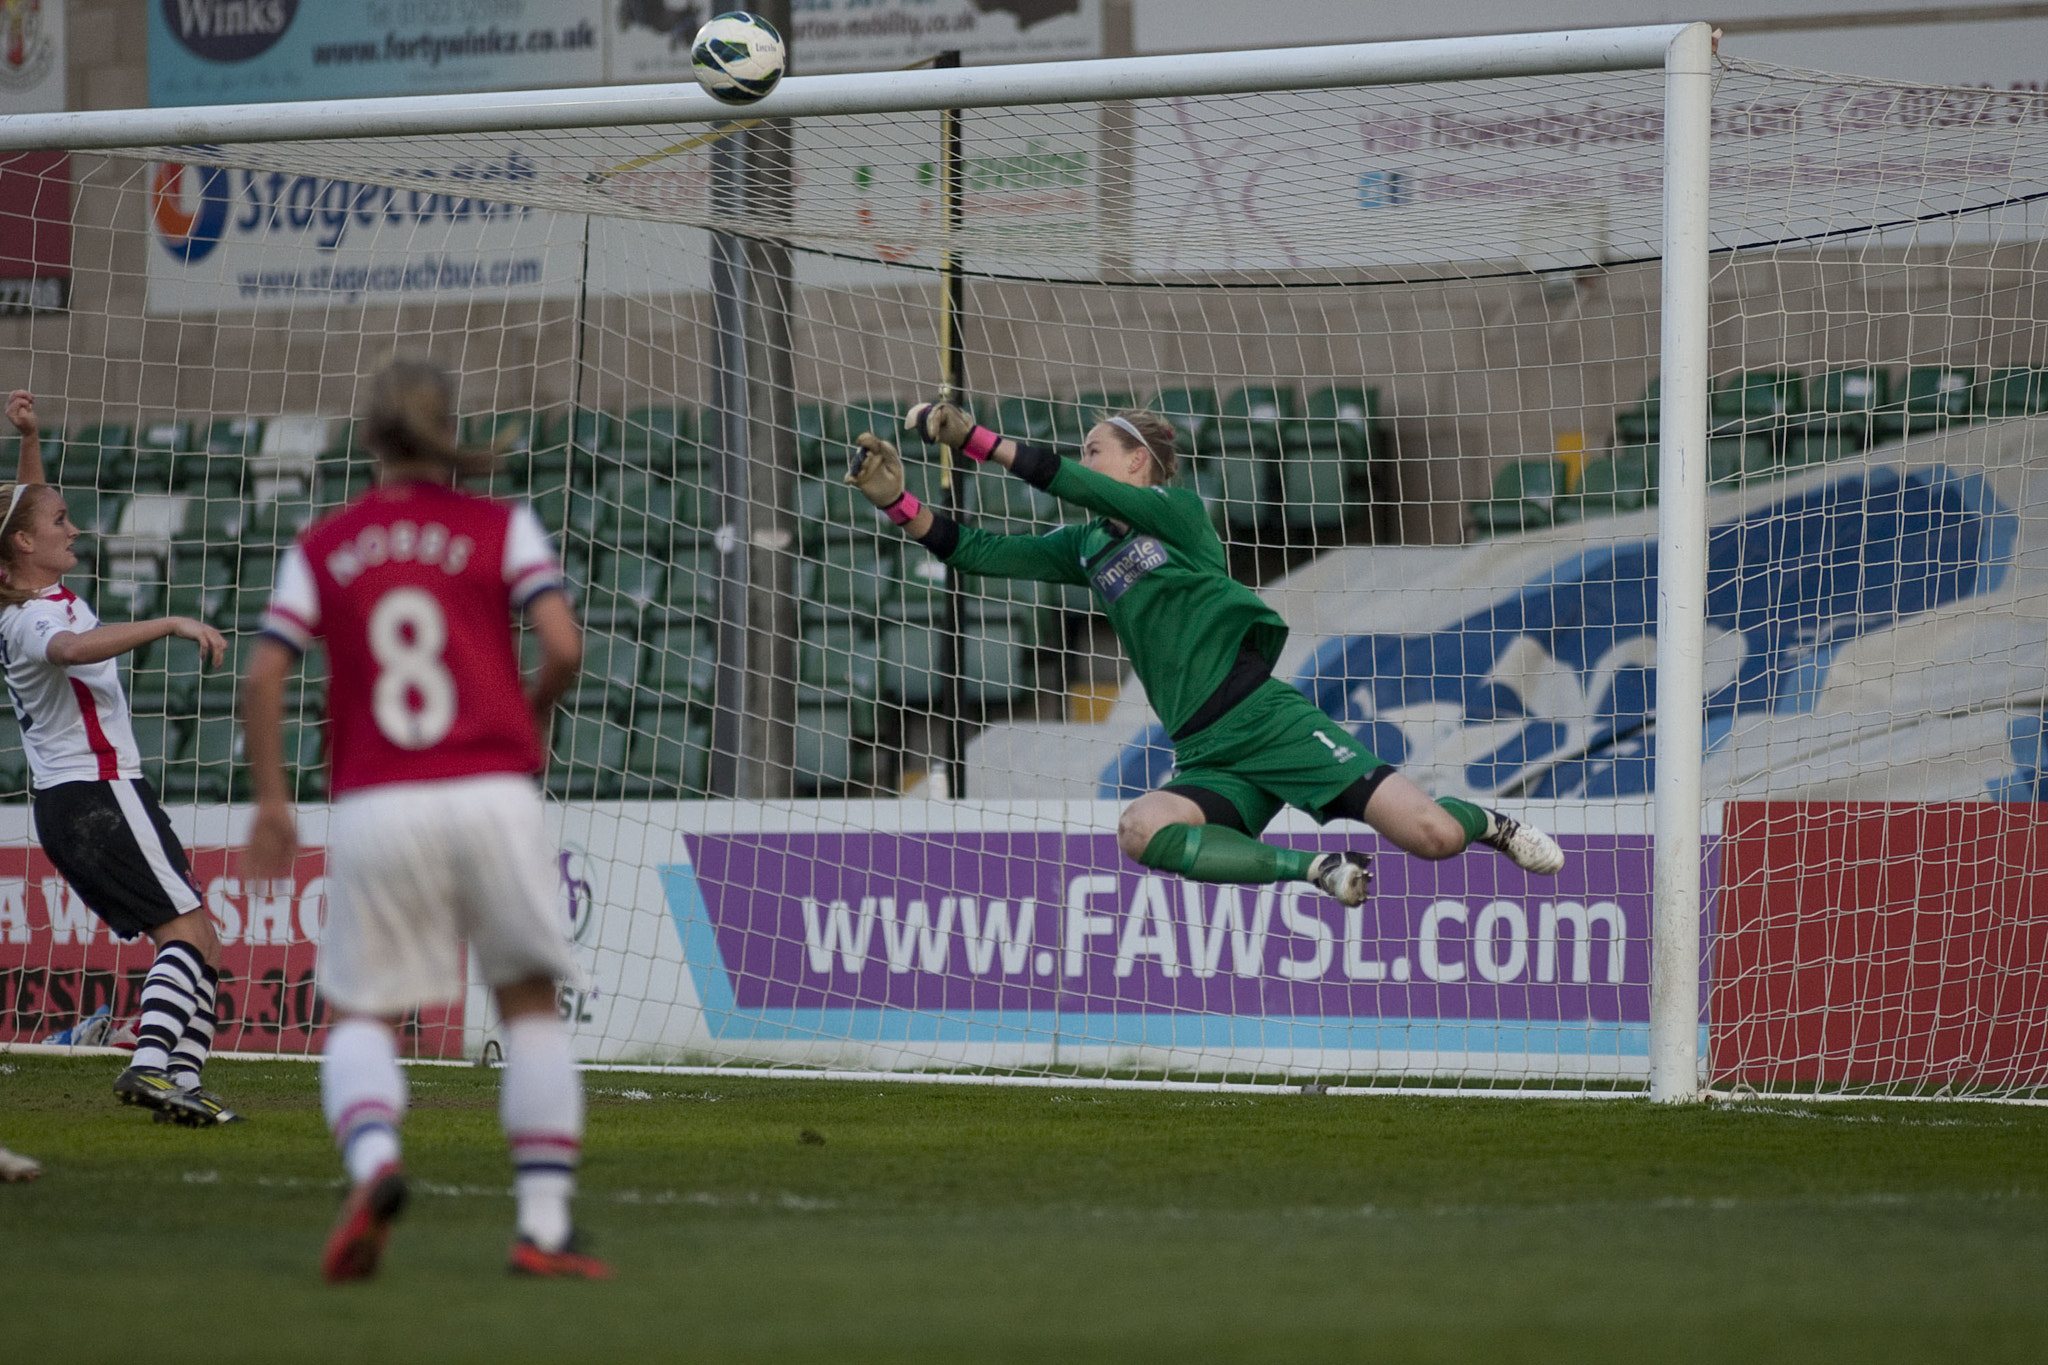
pixel 969 1223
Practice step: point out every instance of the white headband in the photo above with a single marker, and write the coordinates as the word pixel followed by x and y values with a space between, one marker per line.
pixel 13 503
pixel 1136 435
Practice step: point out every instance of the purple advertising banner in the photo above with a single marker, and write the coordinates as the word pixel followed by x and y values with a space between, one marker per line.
pixel 980 925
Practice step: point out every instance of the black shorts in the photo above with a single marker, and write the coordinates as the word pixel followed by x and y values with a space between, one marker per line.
pixel 113 843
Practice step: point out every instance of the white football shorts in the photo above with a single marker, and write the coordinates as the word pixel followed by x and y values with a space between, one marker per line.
pixel 416 868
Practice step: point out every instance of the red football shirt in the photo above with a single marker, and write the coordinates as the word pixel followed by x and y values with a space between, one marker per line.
pixel 413 587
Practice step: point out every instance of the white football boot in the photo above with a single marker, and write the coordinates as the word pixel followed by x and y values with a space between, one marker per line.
pixel 1345 876
pixel 1526 846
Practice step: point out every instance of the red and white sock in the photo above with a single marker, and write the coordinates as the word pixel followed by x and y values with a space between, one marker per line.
pixel 541 1102
pixel 362 1091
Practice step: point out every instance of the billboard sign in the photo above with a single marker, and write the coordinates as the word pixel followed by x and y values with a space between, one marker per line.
pixel 253 51
pixel 224 240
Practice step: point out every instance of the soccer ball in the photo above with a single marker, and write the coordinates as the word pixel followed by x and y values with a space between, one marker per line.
pixel 738 57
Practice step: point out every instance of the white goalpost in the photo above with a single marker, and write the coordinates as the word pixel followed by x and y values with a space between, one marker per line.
pixel 1563 392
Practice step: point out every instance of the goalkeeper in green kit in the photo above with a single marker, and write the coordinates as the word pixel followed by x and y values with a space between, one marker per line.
pixel 1245 743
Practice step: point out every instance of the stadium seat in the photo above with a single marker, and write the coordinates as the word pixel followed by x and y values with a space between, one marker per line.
pixel 210 768
pixel 636 508
pixel 1735 459
pixel 1756 402
pixel 276 521
pixel 159 741
pixel 219 688
pixel 1846 401
pixel 1315 484
pixel 679 664
pixel 1239 488
pixel 820 436
pixel 694 576
pixel 1193 415
pixel 131 587
pixel 13 759
pixel 1031 420
pixel 611 669
pixel 1937 397
pixel 1345 415
pixel 847 581
pixel 1251 420
pixel 305 757
pixel 917 587
pixel 830 510
pixel 994 660
pixel 658 438
pixel 883 417
pixel 92 511
pixel 2014 392
pixel 625 584
pixel 589 757
pixel 201 585
pixel 825 756
pixel 1527 494
pixel 1819 447
pixel 1008 505
pixel 1624 482
pixel 840 658
pixel 697 500
pixel 165 682
pixel 99 456
pixel 669 755
pixel 242 436
pixel 295 441
pixel 1639 423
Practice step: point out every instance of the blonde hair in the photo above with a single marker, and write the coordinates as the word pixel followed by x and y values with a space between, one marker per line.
pixel 1158 437
pixel 31 497
pixel 410 423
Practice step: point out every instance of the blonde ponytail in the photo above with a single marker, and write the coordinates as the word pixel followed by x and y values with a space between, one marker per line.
pixel 410 423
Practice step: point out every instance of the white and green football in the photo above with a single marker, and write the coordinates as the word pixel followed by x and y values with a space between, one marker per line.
pixel 738 57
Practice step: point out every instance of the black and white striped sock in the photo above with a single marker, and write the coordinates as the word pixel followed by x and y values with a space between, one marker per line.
pixel 170 996
pixel 188 1058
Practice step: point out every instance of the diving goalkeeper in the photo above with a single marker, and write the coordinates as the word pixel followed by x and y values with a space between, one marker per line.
pixel 1245 743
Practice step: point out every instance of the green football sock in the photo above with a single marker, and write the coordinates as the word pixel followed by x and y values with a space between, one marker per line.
pixel 1217 853
pixel 1472 819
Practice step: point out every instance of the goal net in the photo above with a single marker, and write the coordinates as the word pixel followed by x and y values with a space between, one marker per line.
pixel 823 805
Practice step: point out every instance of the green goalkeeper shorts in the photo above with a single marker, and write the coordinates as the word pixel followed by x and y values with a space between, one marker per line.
pixel 1275 748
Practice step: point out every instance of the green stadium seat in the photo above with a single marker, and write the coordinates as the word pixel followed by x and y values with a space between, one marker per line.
pixel 551 505
pixel 210 768
pixel 1846 401
pixel 201 585
pixel 846 581
pixel 828 757
pixel 219 688
pixel 669 755
pixel 13 759
pixel 2014 392
pixel 917 587
pixel 883 417
pixel 1003 503
pixel 840 658
pixel 1345 415
pixel 101 456
pixel 241 436
pixel 611 662
pixel 636 507
pixel 131 587
pixel 1315 486
pixel 278 520
pixel 1756 402
pixel 516 430
pixel 1733 459
pixel 820 436
pixel 1239 488
pixel 994 660
pixel 92 511
pixel 1251 420
pixel 1527 495
pixel 1819 447
pixel 1034 421
pixel 658 438
pixel 165 681
pixel 679 663
pixel 829 510
pixel 698 502
pixel 1193 414
pixel 589 757
pixel 305 757
pixel 695 573
pixel 1937 397
pixel 159 741
pixel 625 585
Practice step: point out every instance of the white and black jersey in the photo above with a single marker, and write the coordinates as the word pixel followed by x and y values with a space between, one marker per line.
pixel 97 818
pixel 74 721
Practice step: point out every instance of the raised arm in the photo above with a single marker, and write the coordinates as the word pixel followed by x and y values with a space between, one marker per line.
pixel 877 472
pixel 21 410
pixel 1144 508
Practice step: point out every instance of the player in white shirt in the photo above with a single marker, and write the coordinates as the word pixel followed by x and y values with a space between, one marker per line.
pixel 95 813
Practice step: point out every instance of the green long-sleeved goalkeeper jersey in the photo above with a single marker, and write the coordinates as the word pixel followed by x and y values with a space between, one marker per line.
pixel 1160 574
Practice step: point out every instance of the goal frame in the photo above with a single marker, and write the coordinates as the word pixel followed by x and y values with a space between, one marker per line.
pixel 1684 52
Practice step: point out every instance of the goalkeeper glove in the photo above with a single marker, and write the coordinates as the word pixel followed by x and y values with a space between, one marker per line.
pixel 943 424
pixel 878 474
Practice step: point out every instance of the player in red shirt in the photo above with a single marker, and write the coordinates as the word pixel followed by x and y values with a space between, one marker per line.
pixel 437 834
